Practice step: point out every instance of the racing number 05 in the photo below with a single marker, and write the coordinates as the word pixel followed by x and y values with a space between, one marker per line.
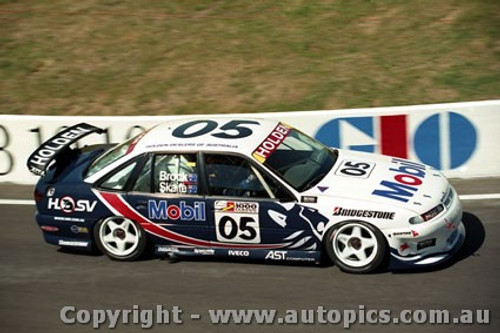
pixel 233 129
pixel 242 229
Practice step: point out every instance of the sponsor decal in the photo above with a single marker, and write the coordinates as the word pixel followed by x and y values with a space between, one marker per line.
pixel 412 233
pixel 204 252
pixel 375 214
pixel 308 199
pixel 271 143
pixel 63 242
pixel 406 181
pixel 276 255
pixel 426 243
pixel 69 205
pixel 404 249
pixel 238 253
pixel 162 210
pixel 166 249
pixel 236 207
pixel 76 229
pixel 68 219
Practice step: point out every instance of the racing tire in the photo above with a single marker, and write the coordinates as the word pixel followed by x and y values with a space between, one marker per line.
pixel 120 238
pixel 356 247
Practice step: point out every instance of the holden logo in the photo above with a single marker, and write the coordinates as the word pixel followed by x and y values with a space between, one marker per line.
pixel 67 204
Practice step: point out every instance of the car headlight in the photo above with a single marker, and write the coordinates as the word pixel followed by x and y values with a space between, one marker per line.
pixel 448 198
pixel 429 215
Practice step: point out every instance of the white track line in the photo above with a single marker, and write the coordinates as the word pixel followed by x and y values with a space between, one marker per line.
pixel 464 197
pixel 17 202
pixel 490 196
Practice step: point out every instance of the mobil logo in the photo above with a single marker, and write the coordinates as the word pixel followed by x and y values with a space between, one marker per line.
pixel 444 140
pixel 407 178
pixel 163 210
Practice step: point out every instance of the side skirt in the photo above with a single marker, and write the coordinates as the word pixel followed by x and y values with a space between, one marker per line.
pixel 257 254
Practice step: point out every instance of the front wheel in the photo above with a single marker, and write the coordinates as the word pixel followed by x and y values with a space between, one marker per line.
pixel 356 247
pixel 120 238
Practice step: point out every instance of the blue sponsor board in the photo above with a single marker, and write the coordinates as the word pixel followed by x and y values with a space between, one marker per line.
pixel 445 140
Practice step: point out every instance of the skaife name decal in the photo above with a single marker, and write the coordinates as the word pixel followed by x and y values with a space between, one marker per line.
pixel 407 179
pixel 375 214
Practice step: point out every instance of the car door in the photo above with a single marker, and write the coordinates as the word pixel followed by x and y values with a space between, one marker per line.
pixel 250 209
pixel 167 195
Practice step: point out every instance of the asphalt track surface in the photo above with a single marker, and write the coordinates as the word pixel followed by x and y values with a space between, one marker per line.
pixel 37 280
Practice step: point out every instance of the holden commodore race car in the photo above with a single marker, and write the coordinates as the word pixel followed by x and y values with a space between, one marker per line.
pixel 249 188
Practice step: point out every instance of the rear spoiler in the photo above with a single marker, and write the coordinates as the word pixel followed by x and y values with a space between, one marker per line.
pixel 41 158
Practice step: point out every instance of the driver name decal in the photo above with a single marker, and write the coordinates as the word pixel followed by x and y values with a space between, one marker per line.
pixel 178 183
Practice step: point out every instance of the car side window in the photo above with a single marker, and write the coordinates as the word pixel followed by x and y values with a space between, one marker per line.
pixel 117 180
pixel 143 181
pixel 234 176
pixel 175 174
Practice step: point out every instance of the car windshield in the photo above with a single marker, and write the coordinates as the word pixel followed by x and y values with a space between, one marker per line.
pixel 110 156
pixel 300 160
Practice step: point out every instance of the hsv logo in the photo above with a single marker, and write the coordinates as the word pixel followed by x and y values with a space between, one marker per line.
pixel 161 210
pixel 269 145
pixel 69 205
pixel 407 179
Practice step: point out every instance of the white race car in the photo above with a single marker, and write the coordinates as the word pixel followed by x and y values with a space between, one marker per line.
pixel 244 188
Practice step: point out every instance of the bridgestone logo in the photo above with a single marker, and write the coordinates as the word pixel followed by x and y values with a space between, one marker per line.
pixel 374 214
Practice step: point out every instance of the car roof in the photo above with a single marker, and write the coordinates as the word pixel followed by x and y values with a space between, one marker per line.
pixel 180 135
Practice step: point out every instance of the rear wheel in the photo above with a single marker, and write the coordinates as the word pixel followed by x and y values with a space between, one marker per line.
pixel 356 247
pixel 120 238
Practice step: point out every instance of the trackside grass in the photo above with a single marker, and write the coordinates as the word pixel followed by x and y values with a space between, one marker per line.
pixel 105 57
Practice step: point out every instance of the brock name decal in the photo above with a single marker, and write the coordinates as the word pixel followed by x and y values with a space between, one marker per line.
pixel 407 179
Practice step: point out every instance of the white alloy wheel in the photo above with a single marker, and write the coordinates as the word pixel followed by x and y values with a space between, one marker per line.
pixel 120 238
pixel 356 247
